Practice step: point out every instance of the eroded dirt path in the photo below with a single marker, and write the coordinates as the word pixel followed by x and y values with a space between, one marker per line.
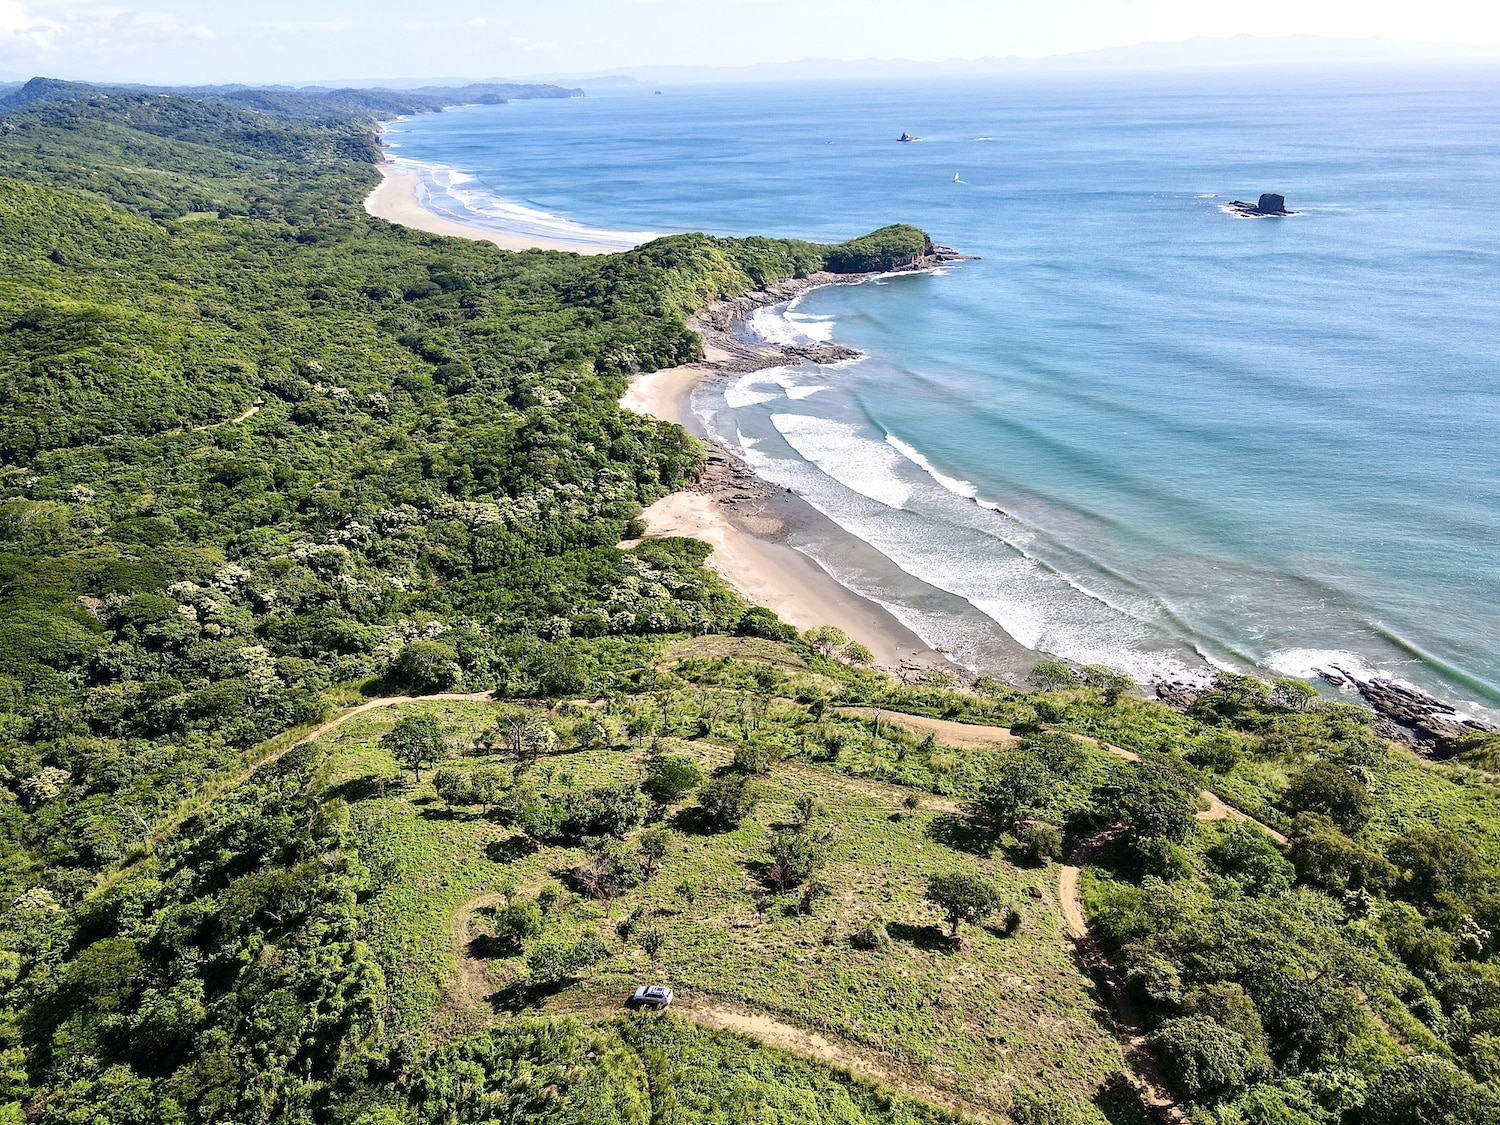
pixel 963 736
pixel 1130 1028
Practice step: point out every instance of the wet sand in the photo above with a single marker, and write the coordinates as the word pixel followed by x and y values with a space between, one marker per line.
pixel 395 201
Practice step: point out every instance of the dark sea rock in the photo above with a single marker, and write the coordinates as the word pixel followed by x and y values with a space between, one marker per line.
pixel 1269 205
pixel 1431 721
pixel 907 137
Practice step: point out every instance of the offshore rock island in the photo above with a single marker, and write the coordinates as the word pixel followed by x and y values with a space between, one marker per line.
pixel 1268 206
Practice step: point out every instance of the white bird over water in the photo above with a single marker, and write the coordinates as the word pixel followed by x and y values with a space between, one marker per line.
pixel 956 180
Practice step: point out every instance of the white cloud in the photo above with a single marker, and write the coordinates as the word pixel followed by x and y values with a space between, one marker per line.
pixel 21 31
pixel 27 38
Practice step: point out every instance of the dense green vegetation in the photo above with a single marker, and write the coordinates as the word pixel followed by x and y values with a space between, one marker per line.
pixel 262 457
pixel 258 447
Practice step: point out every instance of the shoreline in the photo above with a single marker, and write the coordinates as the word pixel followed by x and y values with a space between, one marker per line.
pixel 747 520
pixel 395 200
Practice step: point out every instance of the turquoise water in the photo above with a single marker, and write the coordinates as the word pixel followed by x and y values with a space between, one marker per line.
pixel 1139 430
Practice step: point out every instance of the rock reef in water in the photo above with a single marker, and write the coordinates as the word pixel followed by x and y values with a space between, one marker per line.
pixel 1269 205
pixel 908 138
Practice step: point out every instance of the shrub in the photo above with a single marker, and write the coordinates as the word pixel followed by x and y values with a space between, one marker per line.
pixel 728 801
pixel 670 778
pixel 756 757
pixel 1039 841
pixel 1012 917
pixel 517 923
pixel 1205 1060
pixel 554 960
pixel 872 935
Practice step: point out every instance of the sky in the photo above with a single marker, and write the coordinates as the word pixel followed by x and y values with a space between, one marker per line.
pixel 179 41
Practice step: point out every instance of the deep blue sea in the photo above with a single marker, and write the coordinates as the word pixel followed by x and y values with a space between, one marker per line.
pixel 1138 431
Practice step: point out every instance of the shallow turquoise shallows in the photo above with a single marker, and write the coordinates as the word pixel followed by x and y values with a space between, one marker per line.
pixel 1140 431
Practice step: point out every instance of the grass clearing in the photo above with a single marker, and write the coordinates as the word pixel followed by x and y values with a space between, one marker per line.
pixel 977 1022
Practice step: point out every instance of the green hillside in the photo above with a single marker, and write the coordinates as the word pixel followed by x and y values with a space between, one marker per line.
pixel 266 462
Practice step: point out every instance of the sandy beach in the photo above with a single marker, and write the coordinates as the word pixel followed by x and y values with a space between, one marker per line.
pixel 395 200
pixel 745 520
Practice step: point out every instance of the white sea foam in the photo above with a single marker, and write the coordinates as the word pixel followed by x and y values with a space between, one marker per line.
pixel 742 392
pixel 1306 663
pixel 819 328
pixel 867 467
pixel 779 325
pixel 1033 604
pixel 802 392
pixel 443 189
pixel 963 488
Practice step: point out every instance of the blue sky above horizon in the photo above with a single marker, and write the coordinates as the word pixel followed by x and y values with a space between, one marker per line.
pixel 182 41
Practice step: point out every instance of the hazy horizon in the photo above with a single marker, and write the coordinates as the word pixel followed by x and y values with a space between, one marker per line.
pixel 180 42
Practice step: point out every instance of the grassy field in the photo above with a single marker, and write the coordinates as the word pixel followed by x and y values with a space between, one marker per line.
pixel 978 1022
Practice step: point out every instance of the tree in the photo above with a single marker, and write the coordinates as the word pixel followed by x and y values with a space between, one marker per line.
pixel 856 653
pixel 1324 857
pixel 670 778
pixel 809 806
pixel 1153 800
pixel 487 785
pixel 1245 854
pixel 453 786
pixel 607 869
pixel 416 741
pixel 1111 682
pixel 653 845
pixel 1333 791
pixel 1293 695
pixel 1206 1060
pixel 640 724
pixel 537 740
pixel 1426 1090
pixel 826 640
pixel 1433 861
pixel 728 801
pixel 516 923
pixel 605 810
pixel 1050 675
pixel 797 854
pixel 964 897
pixel 1014 787
pixel 426 666
pixel 651 940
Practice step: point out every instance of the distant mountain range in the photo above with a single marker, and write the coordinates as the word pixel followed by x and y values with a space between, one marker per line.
pixel 1200 53
pixel 307 102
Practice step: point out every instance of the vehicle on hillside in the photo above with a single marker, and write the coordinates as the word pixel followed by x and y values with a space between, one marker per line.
pixel 655 996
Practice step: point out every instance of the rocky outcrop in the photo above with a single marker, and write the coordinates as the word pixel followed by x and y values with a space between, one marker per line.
pixel 1433 724
pixel 1177 696
pixel 1269 205
pixel 907 138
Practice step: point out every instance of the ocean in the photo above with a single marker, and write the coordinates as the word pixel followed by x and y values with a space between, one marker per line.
pixel 1138 431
